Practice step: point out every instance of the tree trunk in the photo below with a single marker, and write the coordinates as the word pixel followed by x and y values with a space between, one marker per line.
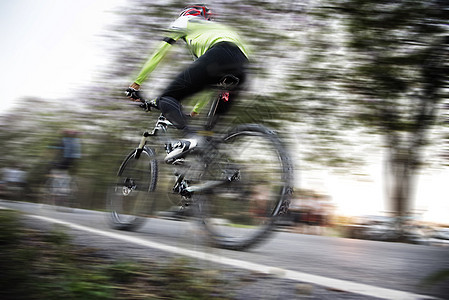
pixel 401 187
pixel 400 171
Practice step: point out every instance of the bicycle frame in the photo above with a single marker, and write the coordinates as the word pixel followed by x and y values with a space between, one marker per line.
pixel 161 127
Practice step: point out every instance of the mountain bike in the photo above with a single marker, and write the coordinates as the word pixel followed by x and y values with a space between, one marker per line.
pixel 237 185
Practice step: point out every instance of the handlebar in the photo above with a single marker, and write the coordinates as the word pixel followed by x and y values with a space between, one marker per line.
pixel 148 105
pixel 136 95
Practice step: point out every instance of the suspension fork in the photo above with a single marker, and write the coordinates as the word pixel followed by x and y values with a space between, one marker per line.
pixel 143 142
pixel 161 125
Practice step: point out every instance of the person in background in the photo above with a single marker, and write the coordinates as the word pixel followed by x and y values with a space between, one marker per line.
pixel 69 151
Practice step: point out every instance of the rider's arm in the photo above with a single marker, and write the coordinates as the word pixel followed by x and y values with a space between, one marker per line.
pixel 154 60
pixel 177 31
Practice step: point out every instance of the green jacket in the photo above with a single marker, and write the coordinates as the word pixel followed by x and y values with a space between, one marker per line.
pixel 200 35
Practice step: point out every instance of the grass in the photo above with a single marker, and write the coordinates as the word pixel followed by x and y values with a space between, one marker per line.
pixel 47 265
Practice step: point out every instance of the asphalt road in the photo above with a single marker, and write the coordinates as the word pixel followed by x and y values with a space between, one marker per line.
pixel 349 268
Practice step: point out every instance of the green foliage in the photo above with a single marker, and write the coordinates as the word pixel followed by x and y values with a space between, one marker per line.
pixel 38 265
pixel 10 231
pixel 46 265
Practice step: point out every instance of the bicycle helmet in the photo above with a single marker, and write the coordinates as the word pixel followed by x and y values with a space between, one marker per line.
pixel 197 10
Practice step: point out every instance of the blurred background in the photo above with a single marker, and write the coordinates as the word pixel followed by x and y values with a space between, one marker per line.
pixel 358 91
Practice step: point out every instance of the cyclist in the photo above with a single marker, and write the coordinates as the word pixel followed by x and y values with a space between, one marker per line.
pixel 218 51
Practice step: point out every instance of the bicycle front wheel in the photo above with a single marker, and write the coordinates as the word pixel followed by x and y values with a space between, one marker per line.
pixel 255 164
pixel 131 199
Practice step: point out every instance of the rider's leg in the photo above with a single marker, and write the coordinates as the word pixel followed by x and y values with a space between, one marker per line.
pixel 172 110
pixel 191 80
pixel 222 59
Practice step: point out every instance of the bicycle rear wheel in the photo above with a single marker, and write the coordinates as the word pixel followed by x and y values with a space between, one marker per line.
pixel 130 200
pixel 259 177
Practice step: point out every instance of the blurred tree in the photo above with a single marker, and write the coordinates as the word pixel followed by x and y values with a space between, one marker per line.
pixel 399 72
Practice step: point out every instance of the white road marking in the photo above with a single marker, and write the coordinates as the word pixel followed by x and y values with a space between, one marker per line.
pixel 348 286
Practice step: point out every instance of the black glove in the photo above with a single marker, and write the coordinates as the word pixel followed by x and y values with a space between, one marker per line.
pixel 133 93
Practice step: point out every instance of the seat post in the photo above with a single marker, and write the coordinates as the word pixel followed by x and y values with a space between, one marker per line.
pixel 225 84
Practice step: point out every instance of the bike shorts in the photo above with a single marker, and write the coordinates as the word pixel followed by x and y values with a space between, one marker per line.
pixel 222 59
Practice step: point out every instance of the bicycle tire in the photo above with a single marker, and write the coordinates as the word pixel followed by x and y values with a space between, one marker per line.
pixel 129 200
pixel 243 213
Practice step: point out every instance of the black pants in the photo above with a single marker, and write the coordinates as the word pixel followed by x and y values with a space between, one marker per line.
pixel 222 59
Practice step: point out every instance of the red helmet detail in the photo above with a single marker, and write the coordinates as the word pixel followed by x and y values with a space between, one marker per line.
pixel 197 10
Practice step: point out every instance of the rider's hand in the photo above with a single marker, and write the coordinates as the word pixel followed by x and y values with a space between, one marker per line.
pixel 193 114
pixel 133 92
